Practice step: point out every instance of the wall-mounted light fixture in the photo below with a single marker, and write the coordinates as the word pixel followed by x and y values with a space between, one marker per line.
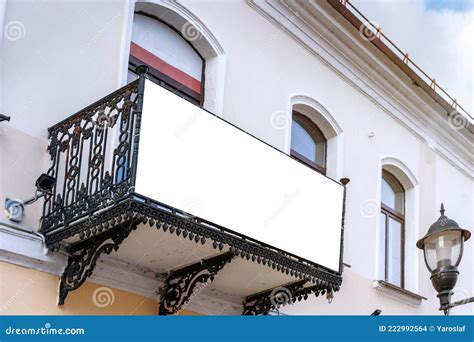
pixel 4 118
pixel 15 208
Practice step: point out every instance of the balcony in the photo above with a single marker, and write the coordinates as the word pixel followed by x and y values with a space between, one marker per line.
pixel 143 162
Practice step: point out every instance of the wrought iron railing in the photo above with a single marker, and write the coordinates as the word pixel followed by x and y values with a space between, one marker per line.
pixel 92 154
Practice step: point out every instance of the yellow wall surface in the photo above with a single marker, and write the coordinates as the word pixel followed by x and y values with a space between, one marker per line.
pixel 186 312
pixel 24 291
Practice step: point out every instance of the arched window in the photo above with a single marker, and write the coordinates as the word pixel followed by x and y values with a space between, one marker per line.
pixel 308 143
pixel 392 234
pixel 174 63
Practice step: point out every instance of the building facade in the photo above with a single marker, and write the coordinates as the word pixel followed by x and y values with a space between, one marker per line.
pixel 305 78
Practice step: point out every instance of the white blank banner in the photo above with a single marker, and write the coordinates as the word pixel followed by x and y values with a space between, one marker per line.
pixel 198 163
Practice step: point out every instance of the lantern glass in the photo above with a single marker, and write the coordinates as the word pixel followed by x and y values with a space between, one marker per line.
pixel 443 249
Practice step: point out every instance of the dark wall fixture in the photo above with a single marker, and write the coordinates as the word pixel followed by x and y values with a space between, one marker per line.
pixel 4 118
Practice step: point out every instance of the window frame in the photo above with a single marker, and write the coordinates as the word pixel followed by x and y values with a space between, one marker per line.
pixel 399 217
pixel 303 120
pixel 165 81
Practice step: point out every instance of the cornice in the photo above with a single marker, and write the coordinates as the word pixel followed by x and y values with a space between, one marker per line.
pixel 23 248
pixel 318 31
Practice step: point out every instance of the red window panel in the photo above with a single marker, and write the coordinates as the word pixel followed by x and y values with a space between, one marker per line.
pixel 166 72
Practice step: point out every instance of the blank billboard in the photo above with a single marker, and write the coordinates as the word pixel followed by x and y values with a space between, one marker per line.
pixel 198 163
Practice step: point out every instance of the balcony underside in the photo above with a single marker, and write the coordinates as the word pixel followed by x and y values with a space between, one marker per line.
pixel 165 240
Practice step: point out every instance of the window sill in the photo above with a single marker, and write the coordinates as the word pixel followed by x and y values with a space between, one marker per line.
pixel 398 293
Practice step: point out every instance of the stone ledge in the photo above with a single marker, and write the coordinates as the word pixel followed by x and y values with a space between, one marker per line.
pixel 398 293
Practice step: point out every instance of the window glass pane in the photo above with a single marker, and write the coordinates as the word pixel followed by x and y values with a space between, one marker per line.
pixel 174 63
pixel 167 46
pixel 388 195
pixel 381 247
pixel 394 252
pixel 302 142
pixel 392 194
pixel 400 202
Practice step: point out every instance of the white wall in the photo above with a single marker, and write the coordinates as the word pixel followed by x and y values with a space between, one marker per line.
pixel 73 53
pixel 67 56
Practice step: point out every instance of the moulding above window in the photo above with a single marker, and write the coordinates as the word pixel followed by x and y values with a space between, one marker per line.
pixel 308 101
pixel 190 17
pixel 398 293
pixel 315 27
pixel 202 39
pixel 400 170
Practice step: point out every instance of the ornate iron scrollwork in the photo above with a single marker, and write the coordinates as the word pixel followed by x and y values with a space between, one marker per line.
pixel 172 221
pixel 262 303
pixel 178 223
pixel 82 262
pixel 92 159
pixel 180 284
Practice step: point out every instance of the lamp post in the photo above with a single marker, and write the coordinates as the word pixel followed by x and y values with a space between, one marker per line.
pixel 443 247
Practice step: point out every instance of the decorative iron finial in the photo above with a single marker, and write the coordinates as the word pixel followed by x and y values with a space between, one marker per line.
pixel 344 181
pixel 442 209
pixel 142 69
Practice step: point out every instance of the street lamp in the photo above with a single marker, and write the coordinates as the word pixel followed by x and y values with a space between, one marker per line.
pixel 443 247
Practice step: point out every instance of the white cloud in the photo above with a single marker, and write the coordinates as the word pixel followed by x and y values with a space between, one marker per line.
pixel 440 42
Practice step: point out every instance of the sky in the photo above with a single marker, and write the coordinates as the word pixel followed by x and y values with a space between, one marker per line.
pixel 437 34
